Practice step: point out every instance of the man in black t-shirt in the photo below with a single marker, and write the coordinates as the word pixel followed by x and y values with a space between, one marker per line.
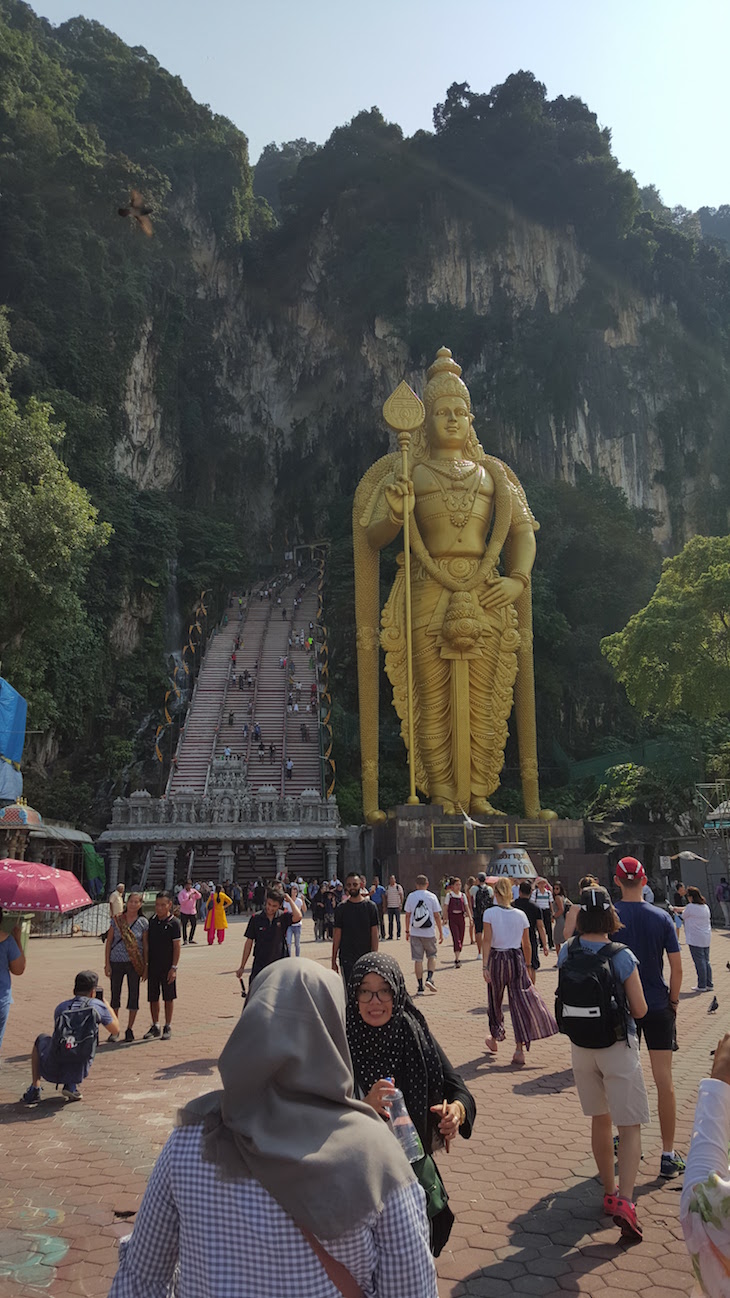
pixel 266 933
pixel 537 927
pixel 356 928
pixel 164 945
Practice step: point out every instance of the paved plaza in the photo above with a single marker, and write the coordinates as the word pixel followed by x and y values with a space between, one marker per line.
pixel 527 1204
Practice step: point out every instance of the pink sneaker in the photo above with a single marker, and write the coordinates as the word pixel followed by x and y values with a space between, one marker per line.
pixel 624 1215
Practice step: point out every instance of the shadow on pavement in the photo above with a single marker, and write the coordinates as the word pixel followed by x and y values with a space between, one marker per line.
pixel 47 1107
pixel 550 1240
pixel 193 1066
pixel 550 1083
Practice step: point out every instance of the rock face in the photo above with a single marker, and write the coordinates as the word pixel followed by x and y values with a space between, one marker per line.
pixel 151 459
pixel 300 390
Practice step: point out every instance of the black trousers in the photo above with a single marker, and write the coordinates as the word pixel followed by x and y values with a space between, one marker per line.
pixel 192 921
pixel 393 914
pixel 547 920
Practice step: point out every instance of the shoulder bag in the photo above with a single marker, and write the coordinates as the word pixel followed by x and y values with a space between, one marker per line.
pixel 130 943
pixel 342 1279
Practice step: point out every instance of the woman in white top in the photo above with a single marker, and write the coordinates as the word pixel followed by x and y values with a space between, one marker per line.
pixel 506 955
pixel 294 931
pixel 698 931
pixel 705 1205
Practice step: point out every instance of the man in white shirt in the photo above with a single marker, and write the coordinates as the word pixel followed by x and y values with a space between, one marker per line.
pixel 116 901
pixel 647 894
pixel 393 905
pixel 423 918
pixel 543 898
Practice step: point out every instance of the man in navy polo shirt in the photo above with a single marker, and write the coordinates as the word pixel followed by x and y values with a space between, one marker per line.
pixel 649 933
pixel 266 933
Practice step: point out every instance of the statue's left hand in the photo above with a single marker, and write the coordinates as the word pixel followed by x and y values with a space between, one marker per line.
pixel 505 590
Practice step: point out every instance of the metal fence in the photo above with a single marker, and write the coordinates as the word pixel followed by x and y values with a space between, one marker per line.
pixel 92 921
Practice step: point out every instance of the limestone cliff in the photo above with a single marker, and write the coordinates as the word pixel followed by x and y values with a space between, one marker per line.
pixel 299 389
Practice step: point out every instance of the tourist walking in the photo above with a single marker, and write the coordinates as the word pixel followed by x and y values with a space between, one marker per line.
pixel 537 927
pixel 318 901
pixel 423 921
pixel 266 934
pixel 542 896
pixel 722 896
pixel 320 1194
pixel 187 899
pixel 125 956
pixel 216 920
pixel 456 912
pixel 392 1046
pixel 506 955
pixel 481 900
pixel 294 931
pixel 650 934
pixel 356 928
pixel 394 904
pixel 698 932
pixel 601 976
pixel 561 905
pixel 12 962
pixel 377 897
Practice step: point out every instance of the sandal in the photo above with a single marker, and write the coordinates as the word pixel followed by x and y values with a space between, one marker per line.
pixel 492 1045
pixel 609 1204
pixel 518 1059
pixel 624 1215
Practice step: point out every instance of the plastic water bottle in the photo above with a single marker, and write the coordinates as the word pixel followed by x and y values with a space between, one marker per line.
pixel 403 1126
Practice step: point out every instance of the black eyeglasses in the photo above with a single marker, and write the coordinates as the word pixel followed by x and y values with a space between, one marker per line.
pixel 382 996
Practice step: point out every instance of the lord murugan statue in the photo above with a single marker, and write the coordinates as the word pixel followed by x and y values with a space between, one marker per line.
pixel 457 631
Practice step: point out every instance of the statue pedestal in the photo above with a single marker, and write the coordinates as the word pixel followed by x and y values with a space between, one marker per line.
pixel 422 840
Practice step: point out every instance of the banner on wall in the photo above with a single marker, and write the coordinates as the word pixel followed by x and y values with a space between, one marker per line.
pixel 13 712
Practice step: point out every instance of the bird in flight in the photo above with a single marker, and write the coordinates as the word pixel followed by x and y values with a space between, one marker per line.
pixel 140 211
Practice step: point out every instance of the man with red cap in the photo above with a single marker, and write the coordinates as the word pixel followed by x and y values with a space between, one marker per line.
pixel 649 933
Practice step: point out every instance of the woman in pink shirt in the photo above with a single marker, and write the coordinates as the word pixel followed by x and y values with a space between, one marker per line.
pixel 188 898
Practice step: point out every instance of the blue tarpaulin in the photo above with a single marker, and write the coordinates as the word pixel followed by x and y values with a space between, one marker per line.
pixel 13 709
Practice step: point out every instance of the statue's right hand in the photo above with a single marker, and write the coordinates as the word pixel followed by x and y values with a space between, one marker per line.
pixel 396 494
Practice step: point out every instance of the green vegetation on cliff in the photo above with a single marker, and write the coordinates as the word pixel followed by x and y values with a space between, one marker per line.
pixel 218 384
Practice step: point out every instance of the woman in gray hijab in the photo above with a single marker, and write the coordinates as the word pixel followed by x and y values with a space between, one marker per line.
pixel 281 1181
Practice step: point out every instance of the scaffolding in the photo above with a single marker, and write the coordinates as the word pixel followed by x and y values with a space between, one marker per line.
pixel 712 801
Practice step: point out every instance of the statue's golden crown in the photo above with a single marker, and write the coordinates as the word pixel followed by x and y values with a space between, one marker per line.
pixel 444 376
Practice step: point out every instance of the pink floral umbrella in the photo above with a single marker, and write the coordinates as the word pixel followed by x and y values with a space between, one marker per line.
pixel 28 885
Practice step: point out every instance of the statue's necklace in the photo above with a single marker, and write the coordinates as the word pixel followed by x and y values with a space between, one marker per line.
pixel 460 498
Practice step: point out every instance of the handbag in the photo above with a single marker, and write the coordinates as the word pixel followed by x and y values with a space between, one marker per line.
pixel 440 1216
pixel 338 1273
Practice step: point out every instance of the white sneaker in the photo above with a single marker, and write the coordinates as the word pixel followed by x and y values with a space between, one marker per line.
pixel 430 987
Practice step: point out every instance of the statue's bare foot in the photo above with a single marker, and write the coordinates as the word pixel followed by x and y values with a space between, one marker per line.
pixel 481 807
pixel 449 809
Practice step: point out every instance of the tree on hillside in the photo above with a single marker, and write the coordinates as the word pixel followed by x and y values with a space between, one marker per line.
pixel 674 655
pixel 279 162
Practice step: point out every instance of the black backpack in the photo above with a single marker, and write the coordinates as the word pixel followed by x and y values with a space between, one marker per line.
pixel 75 1034
pixel 590 1004
pixel 482 900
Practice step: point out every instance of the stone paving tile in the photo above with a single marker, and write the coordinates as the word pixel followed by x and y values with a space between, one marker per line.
pixel 528 1205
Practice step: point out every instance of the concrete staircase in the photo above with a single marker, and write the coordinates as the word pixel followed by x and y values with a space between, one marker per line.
pixel 219 710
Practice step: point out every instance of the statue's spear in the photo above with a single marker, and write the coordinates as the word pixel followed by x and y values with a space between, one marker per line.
pixel 404 412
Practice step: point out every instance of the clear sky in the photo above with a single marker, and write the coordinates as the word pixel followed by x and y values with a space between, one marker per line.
pixel 654 71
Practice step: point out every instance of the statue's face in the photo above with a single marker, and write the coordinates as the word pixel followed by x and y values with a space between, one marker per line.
pixel 448 424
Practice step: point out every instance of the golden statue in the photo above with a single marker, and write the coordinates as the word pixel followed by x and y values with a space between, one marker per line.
pixel 457 635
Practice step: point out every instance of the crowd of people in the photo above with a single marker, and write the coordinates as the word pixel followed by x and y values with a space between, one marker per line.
pixel 357 1056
